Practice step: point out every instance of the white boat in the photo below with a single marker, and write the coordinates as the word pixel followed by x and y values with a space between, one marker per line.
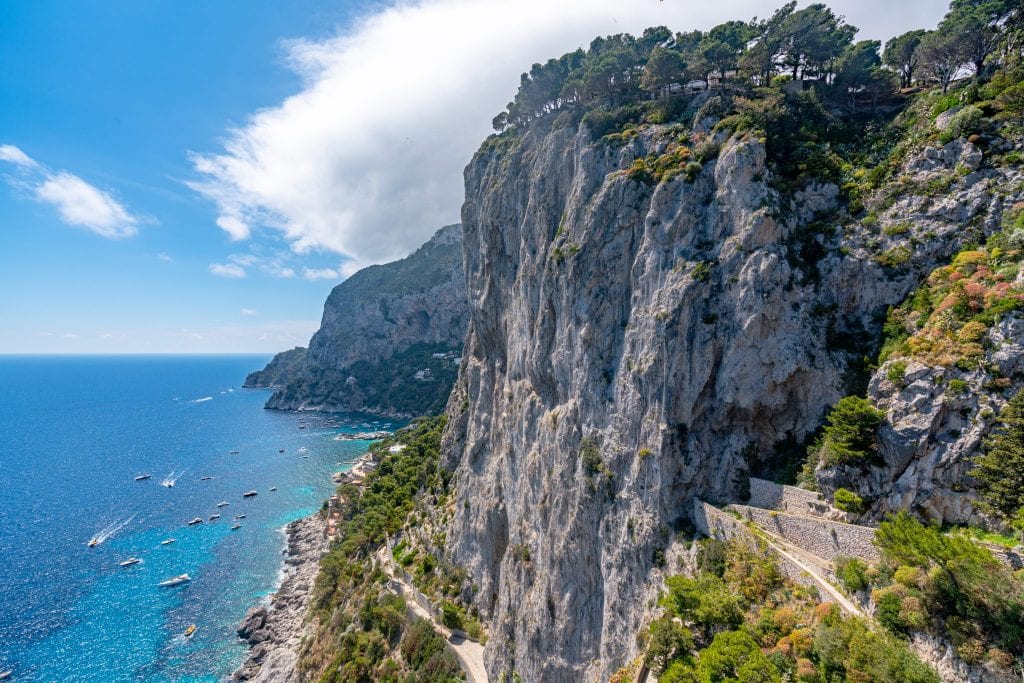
pixel 4 675
pixel 214 518
pixel 240 516
pixel 167 542
pixel 197 520
pixel 175 581
pixel 143 477
pixel 223 504
pixel 249 494
pixel 130 561
pixel 205 478
pixel 236 526
pixel 94 541
pixel 273 488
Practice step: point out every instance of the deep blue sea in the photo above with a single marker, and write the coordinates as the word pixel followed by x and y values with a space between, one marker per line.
pixel 74 432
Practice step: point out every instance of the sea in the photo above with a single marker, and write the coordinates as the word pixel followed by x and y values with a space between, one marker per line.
pixel 74 434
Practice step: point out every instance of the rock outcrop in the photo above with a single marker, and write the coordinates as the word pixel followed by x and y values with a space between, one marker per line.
pixel 633 346
pixel 389 341
pixel 274 632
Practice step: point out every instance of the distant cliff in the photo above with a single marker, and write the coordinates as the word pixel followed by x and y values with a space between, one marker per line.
pixel 389 342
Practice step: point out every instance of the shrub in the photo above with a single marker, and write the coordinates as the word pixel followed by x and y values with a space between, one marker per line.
pixel 848 501
pixel 852 573
pixel 452 615
pixel 897 372
pixel 963 123
pixel 1011 100
pixel 1000 470
pixel 956 387
pixel 849 436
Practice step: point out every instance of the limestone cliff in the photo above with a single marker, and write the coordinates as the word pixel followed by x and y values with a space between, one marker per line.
pixel 635 344
pixel 389 341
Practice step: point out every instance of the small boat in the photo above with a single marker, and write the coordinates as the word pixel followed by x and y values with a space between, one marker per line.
pixel 197 520
pixel 234 452
pixel 214 518
pixel 305 456
pixel 175 581
pixel 240 516
pixel 302 426
pixel 130 561
pixel 205 478
pixel 236 526
pixel 143 477
pixel 280 450
pixel 249 494
pixel 4 675
pixel 167 541
pixel 190 630
pixel 273 488
pixel 94 541
pixel 223 504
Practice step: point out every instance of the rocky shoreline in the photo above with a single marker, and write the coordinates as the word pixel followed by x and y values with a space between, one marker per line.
pixel 275 631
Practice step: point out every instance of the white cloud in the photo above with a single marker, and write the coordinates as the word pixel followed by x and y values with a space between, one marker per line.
pixel 166 258
pixel 322 274
pixel 78 203
pixel 228 270
pixel 249 311
pixel 366 160
pixel 14 155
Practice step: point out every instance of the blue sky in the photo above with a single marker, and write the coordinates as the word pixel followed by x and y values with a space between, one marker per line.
pixel 197 175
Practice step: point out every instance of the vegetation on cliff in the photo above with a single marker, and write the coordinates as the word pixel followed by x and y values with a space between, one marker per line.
pixel 363 632
pixel 739 619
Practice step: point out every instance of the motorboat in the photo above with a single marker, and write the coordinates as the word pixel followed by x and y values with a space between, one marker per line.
pixel 143 477
pixel 197 520
pixel 94 541
pixel 236 526
pixel 175 581
pixel 214 518
pixel 242 516
pixel 167 541
pixel 280 450
pixel 234 452
pixel 190 631
pixel 249 494
pixel 205 478
pixel 223 504
pixel 4 675
pixel 273 488
pixel 130 561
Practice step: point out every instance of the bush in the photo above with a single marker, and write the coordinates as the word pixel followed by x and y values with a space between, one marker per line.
pixel 852 573
pixel 897 372
pixel 848 501
pixel 963 123
pixel 1011 100
pixel 849 436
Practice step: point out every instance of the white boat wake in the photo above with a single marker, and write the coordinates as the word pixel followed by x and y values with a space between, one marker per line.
pixel 171 479
pixel 107 532
pixel 202 400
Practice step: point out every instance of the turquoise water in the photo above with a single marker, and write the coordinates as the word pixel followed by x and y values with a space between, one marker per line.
pixel 74 432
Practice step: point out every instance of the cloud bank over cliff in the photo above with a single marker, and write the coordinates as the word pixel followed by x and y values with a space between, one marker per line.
pixel 366 159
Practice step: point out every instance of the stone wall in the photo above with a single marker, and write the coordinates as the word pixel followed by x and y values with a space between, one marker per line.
pixel 822 537
pixel 772 496
pixel 715 523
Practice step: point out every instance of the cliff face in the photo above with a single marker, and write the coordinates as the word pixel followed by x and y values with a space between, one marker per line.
pixel 633 346
pixel 279 370
pixel 389 341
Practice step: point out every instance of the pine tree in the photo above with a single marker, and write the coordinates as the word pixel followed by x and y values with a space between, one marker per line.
pixel 1000 470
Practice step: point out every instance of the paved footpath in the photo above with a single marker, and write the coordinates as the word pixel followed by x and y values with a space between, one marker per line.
pixel 470 654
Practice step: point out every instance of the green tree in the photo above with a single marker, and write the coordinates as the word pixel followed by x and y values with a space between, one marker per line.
pixel 979 26
pixel 849 436
pixel 665 67
pixel 706 601
pixel 735 656
pixel 901 55
pixel 813 38
pixel 999 472
pixel 940 55
pixel 670 640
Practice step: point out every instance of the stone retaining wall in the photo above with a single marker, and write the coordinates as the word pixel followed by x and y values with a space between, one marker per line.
pixel 771 496
pixel 715 523
pixel 821 537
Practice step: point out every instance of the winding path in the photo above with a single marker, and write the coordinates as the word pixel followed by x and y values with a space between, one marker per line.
pixel 469 653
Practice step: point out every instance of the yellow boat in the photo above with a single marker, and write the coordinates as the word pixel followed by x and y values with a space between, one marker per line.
pixel 190 630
